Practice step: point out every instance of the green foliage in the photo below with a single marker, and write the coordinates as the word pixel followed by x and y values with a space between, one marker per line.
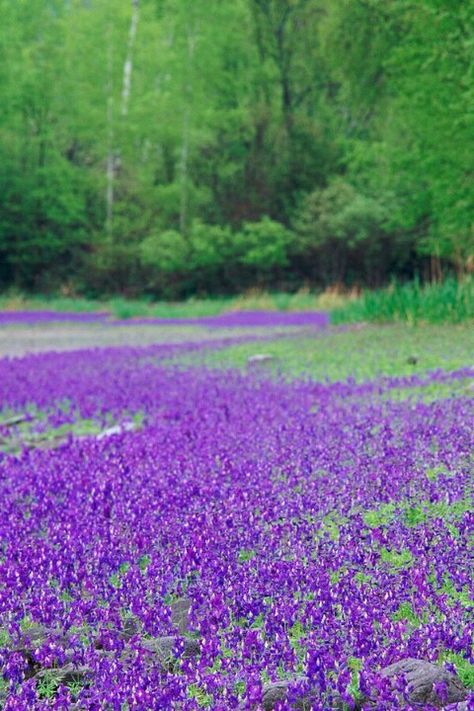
pixel 448 302
pixel 47 685
pixel 143 562
pixel 363 354
pixel 246 555
pixel 406 613
pixel 116 579
pixel 396 560
pixel 265 144
pixel 464 669
pixel 4 638
pixel 345 231
pixel 166 252
pixel 381 516
pixel 200 696
pixel 263 245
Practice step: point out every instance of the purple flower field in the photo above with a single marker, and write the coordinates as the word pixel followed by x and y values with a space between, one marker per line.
pixel 240 319
pixel 230 540
pixel 28 317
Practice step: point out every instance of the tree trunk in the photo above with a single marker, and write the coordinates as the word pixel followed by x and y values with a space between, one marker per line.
pixel 128 66
pixel 113 154
pixel 184 161
pixel 110 170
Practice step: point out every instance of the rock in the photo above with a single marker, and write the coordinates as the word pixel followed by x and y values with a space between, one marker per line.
pixel 64 675
pixel 36 633
pixel 44 442
pixel 260 359
pixel 14 420
pixel 180 614
pixel 427 683
pixel 277 691
pixel 130 628
pixel 117 429
pixel 274 692
pixel 32 638
pixel 164 648
pixel 412 360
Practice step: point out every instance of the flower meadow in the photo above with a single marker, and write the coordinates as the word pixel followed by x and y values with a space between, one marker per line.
pixel 184 537
pixel 225 320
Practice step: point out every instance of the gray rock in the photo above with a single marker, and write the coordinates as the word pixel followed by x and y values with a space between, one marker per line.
pixel 64 675
pixel 163 648
pixel 130 628
pixel 36 633
pixel 421 676
pixel 117 429
pixel 34 637
pixel 277 691
pixel 260 359
pixel 274 692
pixel 180 614
pixel 14 420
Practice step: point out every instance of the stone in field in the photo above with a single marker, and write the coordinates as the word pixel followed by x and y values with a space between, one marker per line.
pixel 260 359
pixel 164 648
pixel 64 675
pixel 116 429
pixel 129 629
pixel 180 614
pixel 276 691
pixel 427 684
pixel 14 420
pixel 31 639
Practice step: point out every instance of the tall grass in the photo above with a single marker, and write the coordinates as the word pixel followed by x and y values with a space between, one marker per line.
pixel 303 300
pixel 448 302
pixel 451 301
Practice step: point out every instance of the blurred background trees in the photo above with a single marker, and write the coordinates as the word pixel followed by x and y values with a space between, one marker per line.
pixel 171 147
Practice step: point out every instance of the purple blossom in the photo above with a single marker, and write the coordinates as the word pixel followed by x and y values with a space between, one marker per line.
pixel 312 544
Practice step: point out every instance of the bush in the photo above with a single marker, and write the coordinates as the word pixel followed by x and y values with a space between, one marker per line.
pixel 166 252
pixel 263 245
pixel 344 233
pixel 451 301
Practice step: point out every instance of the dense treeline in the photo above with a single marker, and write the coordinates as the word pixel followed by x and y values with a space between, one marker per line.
pixel 173 147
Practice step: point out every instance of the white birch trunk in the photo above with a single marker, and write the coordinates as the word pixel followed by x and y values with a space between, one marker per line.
pixel 110 170
pixel 128 66
pixel 113 153
pixel 183 213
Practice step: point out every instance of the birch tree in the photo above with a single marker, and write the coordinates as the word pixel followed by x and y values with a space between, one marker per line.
pixel 114 152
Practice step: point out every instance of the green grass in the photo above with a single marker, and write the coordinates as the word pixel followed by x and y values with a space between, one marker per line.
pixel 192 308
pixel 449 302
pixel 363 353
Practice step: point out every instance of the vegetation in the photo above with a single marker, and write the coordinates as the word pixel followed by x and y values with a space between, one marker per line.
pixel 251 534
pixel 178 147
pixel 394 350
pixel 191 308
pixel 451 301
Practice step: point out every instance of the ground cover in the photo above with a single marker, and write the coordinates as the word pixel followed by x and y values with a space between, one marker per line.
pixel 122 308
pixel 355 352
pixel 450 301
pixel 251 527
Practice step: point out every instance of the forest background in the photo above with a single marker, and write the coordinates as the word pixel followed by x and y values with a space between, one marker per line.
pixel 171 148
